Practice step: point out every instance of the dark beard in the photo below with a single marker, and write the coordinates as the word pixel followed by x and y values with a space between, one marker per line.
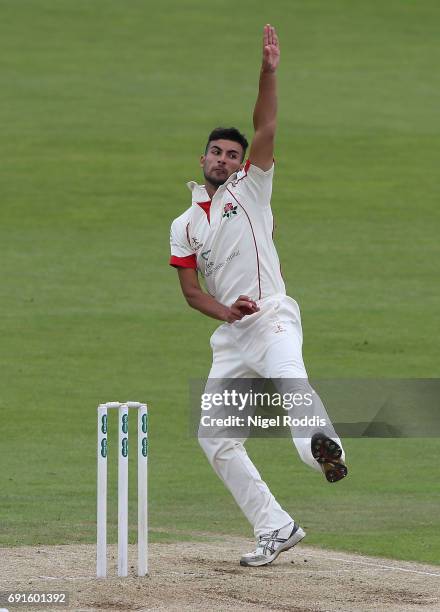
pixel 214 180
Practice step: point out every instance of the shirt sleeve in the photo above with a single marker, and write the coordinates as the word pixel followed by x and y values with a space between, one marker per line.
pixel 256 184
pixel 182 255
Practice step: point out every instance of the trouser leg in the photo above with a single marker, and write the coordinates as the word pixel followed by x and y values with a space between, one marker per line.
pixel 282 361
pixel 230 461
pixel 227 455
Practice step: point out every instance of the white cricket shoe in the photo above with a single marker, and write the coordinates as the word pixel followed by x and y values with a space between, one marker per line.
pixel 270 545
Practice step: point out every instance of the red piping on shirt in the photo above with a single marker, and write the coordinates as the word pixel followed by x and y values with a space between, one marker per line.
pixel 246 168
pixel 273 231
pixel 255 242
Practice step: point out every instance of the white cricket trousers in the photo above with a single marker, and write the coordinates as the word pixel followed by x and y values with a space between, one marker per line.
pixel 267 344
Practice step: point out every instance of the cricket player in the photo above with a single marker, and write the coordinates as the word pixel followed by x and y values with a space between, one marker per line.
pixel 225 236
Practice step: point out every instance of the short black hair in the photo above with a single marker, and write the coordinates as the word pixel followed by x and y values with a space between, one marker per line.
pixel 221 133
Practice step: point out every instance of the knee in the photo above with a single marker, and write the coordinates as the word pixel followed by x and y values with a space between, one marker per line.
pixel 290 368
pixel 217 449
pixel 294 384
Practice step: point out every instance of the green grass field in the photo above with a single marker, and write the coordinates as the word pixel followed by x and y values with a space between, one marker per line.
pixel 105 109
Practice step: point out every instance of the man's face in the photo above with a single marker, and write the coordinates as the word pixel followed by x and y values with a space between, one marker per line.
pixel 222 159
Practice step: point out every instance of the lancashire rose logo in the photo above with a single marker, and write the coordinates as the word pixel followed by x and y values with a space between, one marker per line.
pixel 229 210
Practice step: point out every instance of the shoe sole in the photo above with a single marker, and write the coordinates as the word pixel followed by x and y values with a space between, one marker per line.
pixel 288 544
pixel 328 453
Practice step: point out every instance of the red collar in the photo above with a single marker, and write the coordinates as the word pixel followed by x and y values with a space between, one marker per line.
pixel 206 207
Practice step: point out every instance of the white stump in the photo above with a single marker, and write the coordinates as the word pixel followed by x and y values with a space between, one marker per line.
pixel 101 506
pixel 142 490
pixel 123 491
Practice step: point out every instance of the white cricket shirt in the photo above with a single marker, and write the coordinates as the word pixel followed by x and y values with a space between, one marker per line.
pixel 229 239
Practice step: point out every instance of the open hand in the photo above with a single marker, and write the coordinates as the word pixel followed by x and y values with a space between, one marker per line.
pixel 271 49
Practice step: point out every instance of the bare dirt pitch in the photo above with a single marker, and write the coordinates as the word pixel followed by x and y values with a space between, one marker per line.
pixel 206 576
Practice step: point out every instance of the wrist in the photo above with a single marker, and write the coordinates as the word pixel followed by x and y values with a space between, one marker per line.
pixel 225 313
